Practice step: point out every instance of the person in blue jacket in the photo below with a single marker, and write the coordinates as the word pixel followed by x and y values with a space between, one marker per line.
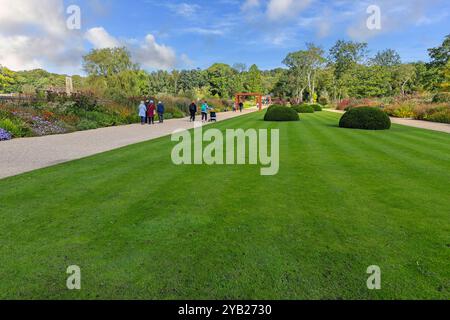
pixel 142 112
pixel 160 109
pixel 205 109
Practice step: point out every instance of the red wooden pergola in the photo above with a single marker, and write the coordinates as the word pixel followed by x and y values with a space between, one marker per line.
pixel 258 96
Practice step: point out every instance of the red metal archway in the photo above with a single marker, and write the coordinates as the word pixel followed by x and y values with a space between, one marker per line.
pixel 258 96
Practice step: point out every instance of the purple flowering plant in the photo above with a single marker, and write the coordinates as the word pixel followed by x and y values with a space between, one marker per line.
pixel 4 135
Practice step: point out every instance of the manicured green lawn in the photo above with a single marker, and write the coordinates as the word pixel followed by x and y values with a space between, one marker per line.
pixel 140 227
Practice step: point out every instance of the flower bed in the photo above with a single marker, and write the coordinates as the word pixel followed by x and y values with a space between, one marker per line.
pixel 5 135
pixel 418 107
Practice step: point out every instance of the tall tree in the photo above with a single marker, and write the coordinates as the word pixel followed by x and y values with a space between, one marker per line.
pixel 254 80
pixel 345 56
pixel 386 58
pixel 446 83
pixel 122 77
pixel 296 62
pixel 440 55
pixel 108 62
pixel 404 74
pixel 220 78
pixel 304 66
pixel 315 61
pixel 240 67
pixel 160 82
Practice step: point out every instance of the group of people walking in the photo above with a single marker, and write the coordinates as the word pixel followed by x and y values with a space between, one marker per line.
pixel 205 108
pixel 148 111
pixel 241 107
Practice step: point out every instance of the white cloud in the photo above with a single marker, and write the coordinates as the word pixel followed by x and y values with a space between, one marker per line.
pixel 14 53
pixel 250 4
pixel 46 15
pixel 184 9
pixel 204 31
pixel 33 34
pixel 186 61
pixel 153 55
pixel 280 9
pixel 100 39
pixel 148 53
pixel 281 39
pixel 395 15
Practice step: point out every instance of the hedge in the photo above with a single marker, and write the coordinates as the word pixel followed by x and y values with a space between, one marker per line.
pixel 304 108
pixel 316 107
pixel 280 113
pixel 367 118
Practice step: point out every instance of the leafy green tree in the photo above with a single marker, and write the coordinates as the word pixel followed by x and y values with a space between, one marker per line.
pixel 345 56
pixel 386 58
pixel 284 87
pixel 304 66
pixel 446 83
pixel 298 74
pixel 190 80
pixel 39 79
pixel 270 79
pixel 325 83
pixel 240 67
pixel 440 55
pixel 7 80
pixel 237 83
pixel 160 82
pixel 404 75
pixel 254 80
pixel 122 77
pixel 373 81
pixel 175 76
pixel 220 78
pixel 108 62
pixel 125 84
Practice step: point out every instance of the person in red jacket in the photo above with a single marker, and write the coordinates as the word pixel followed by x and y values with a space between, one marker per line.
pixel 151 112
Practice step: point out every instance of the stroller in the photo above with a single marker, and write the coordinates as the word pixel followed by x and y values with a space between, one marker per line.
pixel 213 116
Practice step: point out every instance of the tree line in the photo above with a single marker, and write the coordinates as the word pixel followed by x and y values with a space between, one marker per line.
pixel 345 70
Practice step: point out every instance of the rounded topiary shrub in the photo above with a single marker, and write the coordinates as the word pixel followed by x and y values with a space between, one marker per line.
pixel 366 118
pixel 304 108
pixel 279 113
pixel 316 107
pixel 323 101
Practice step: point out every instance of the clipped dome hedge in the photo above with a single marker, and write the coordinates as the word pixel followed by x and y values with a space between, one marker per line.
pixel 303 108
pixel 280 113
pixel 367 118
pixel 316 107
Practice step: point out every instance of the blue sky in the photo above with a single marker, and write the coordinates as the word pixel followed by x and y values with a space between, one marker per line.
pixel 189 34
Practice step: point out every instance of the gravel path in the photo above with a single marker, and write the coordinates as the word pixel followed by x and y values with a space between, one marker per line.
pixel 435 126
pixel 23 155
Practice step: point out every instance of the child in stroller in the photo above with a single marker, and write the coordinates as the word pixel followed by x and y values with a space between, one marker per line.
pixel 212 115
